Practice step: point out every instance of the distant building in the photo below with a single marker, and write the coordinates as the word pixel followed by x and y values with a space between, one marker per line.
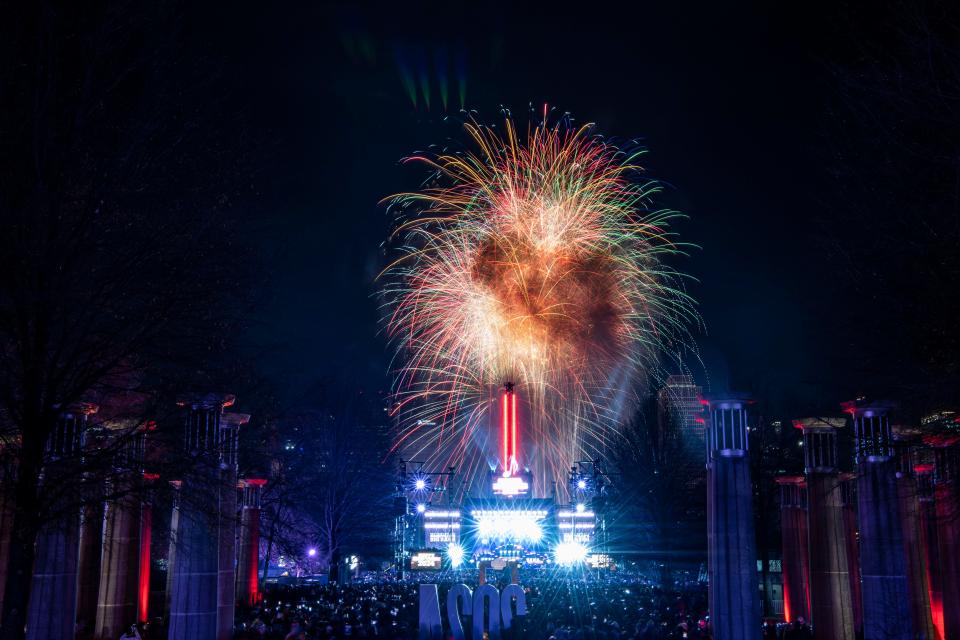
pixel 680 411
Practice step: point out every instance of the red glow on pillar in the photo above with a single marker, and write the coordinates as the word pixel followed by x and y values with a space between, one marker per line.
pixel 143 586
pixel 506 444
pixel 786 601
pixel 513 429
pixel 253 586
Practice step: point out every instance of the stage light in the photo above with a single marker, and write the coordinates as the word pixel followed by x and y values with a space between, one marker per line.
pixel 312 552
pixel 568 554
pixel 581 484
pixel 455 553
pixel 581 508
pixel 421 508
pixel 420 484
pixel 514 526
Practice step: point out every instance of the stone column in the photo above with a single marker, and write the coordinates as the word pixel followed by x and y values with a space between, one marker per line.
pixel 88 569
pixel 796 564
pixel 848 491
pixel 193 587
pixel 227 562
pixel 51 612
pixel 146 542
pixel 831 605
pixel 908 496
pixel 6 524
pixel 883 562
pixel 733 595
pixel 120 564
pixel 947 492
pixel 172 547
pixel 930 543
pixel 248 568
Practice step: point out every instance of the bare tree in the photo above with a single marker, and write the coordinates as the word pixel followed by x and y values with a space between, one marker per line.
pixel 661 486
pixel 115 244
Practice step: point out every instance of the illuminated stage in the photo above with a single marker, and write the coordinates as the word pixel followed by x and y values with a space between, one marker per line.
pixel 505 525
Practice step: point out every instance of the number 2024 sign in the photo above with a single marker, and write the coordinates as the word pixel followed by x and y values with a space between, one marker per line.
pixel 461 601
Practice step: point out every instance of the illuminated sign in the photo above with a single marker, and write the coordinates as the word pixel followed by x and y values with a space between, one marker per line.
pixel 511 486
pixel 425 560
pixel 513 525
pixel 442 537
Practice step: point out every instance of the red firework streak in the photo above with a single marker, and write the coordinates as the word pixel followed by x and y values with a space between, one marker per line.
pixel 508 414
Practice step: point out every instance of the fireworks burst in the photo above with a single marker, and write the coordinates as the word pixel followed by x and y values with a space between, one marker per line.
pixel 536 261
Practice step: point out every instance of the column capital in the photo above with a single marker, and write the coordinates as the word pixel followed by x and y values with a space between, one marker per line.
pixel 872 431
pixel 206 401
pixel 203 421
pixel 232 419
pixel 252 491
pixel 78 409
pixel 728 432
pixel 820 442
pixel 793 491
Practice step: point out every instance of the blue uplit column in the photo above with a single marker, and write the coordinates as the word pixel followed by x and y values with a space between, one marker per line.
pixel 883 566
pixel 195 562
pixel 733 595
pixel 51 612
pixel 226 564
pixel 831 604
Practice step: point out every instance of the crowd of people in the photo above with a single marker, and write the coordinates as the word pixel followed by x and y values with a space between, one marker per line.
pixel 561 606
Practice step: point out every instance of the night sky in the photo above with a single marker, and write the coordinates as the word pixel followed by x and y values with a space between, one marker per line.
pixel 730 100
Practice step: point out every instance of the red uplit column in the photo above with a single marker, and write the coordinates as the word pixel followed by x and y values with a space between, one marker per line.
pixel 796 564
pixel 908 494
pixel 929 543
pixel 509 428
pixel 248 568
pixel 831 603
pixel 947 499
pixel 146 539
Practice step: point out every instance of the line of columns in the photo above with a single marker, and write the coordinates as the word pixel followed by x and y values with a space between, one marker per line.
pixel 91 574
pixel 881 543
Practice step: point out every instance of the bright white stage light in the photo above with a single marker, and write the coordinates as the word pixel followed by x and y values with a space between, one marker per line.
pixel 455 553
pixel 312 552
pixel 515 526
pixel 420 484
pixel 568 554
pixel 421 508
pixel 581 484
pixel 581 508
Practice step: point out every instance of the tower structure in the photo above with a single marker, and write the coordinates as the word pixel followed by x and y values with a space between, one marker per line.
pixel 883 567
pixel 908 494
pixel 120 563
pixel 947 500
pixel 195 553
pixel 796 543
pixel 732 556
pixel 51 612
pixel 831 604
pixel 248 589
